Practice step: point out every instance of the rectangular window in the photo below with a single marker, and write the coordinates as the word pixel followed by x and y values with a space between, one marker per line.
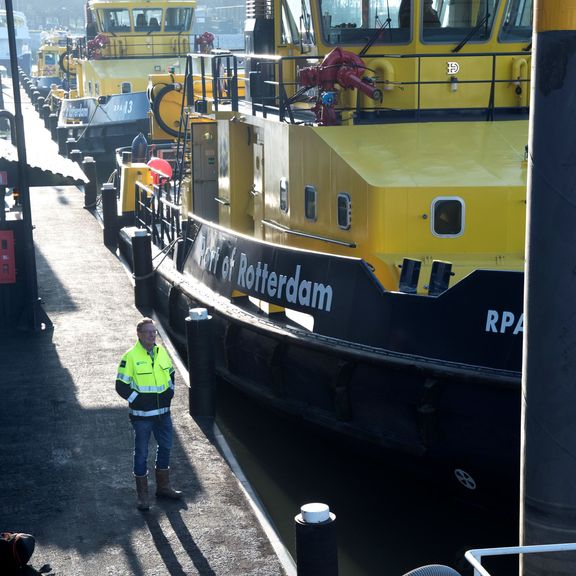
pixel 126 87
pixel 310 202
pixel 147 20
pixel 178 20
pixel 344 211
pixel 284 195
pixel 447 216
pixel 115 20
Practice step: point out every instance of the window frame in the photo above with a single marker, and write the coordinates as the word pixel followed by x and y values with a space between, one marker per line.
pixel 348 198
pixel 311 188
pixel 438 199
pixel 283 197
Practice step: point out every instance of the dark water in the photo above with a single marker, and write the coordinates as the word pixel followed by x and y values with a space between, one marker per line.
pixel 392 514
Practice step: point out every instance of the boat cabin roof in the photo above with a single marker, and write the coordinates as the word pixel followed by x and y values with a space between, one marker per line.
pixel 487 154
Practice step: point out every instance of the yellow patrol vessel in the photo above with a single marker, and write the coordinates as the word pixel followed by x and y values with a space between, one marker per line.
pixel 55 63
pixel 348 199
pixel 125 41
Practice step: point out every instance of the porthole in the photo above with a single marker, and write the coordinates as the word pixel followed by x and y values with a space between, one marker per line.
pixel 448 216
pixel 344 210
pixel 284 195
pixel 310 196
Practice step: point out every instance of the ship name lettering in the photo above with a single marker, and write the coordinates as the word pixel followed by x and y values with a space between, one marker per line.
pixel 503 322
pixel 296 291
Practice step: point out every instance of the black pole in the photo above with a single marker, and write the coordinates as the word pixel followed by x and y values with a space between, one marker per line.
pixel 143 270
pixel 109 216
pixel 34 317
pixel 548 490
pixel 91 187
pixel 316 543
pixel 200 364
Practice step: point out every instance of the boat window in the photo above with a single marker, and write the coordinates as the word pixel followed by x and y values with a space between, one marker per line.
pixel 463 21
pixel 126 87
pixel 517 26
pixel 49 58
pixel 310 202
pixel 115 20
pixel 178 20
pixel 90 87
pixel 296 24
pixel 283 194
pixel 447 216
pixel 147 20
pixel 364 21
pixel 344 211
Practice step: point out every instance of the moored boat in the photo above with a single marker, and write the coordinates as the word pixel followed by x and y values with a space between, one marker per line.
pixel 126 40
pixel 22 37
pixel 55 65
pixel 349 203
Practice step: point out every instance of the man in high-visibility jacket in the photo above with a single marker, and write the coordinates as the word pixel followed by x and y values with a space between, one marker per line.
pixel 146 379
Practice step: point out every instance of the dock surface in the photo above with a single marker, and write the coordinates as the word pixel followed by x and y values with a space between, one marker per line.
pixel 66 448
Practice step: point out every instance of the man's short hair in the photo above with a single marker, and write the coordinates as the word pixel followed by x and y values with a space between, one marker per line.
pixel 143 323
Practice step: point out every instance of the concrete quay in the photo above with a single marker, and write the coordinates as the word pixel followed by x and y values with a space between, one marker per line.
pixel 66 448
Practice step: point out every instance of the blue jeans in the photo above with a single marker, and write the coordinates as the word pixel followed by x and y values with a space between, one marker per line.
pixel 161 427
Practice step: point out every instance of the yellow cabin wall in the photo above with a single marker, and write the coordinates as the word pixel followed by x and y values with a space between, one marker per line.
pixel 392 174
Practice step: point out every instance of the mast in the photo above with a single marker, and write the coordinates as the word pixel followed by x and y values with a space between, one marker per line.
pixel 548 485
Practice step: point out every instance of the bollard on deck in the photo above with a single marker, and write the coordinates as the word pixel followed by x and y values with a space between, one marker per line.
pixel 200 364
pixel 316 546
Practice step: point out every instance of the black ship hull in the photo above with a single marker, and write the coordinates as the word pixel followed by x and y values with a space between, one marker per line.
pixel 99 127
pixel 389 370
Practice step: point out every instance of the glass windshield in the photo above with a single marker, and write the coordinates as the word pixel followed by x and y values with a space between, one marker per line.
pixel 147 20
pixel 116 20
pixel 360 21
pixel 449 21
pixel 517 26
pixel 296 22
pixel 178 20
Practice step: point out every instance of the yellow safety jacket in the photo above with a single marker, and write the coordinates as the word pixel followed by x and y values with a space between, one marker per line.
pixel 146 382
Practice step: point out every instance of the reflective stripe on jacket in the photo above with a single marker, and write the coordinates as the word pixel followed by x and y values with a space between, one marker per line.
pixel 147 384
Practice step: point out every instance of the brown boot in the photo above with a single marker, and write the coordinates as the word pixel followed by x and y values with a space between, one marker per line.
pixel 163 488
pixel 142 491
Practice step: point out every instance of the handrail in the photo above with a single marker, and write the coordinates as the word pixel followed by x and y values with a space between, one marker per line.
pixel 268 71
pixel 285 229
pixel 158 214
pixel 475 556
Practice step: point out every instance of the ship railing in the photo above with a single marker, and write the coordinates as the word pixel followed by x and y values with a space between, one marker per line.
pixel 127 47
pixel 268 84
pixel 215 78
pixel 475 556
pixel 156 211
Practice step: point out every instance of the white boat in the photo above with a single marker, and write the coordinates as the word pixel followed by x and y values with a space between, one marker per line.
pixel 22 41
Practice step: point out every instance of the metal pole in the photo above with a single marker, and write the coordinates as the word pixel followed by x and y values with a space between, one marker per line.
pixel 34 317
pixel 548 490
